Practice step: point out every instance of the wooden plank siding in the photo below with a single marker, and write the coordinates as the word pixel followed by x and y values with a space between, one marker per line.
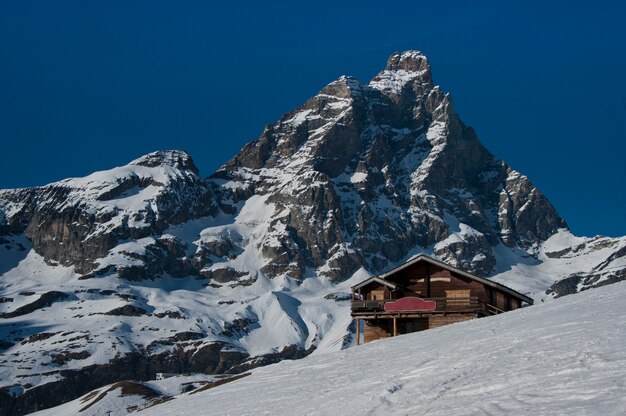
pixel 373 330
pixel 436 321
pixel 383 328
pixel 416 278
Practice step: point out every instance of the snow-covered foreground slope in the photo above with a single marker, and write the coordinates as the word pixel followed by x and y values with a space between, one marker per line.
pixel 562 357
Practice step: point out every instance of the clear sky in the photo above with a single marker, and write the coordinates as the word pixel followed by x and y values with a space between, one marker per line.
pixel 88 85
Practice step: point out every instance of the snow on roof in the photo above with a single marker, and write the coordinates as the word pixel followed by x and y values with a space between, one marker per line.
pixel 377 280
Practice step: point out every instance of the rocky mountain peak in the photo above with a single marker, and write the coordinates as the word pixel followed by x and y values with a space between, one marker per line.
pixel 369 172
pixel 410 61
pixel 178 159
pixel 410 68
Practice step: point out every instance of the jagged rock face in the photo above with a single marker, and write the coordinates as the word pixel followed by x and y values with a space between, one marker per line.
pixel 75 222
pixel 359 176
pixel 149 267
pixel 363 173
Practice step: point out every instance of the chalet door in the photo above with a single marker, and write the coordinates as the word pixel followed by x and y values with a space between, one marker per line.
pixel 406 326
pixel 500 301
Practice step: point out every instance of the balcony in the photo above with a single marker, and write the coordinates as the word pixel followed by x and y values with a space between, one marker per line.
pixel 442 305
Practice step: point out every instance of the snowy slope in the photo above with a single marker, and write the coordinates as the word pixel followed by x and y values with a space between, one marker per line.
pixel 563 357
pixel 171 311
pixel 122 398
pixel 562 265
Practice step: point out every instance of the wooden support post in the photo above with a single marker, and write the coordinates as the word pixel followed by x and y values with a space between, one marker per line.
pixel 358 331
pixel 427 280
pixel 395 327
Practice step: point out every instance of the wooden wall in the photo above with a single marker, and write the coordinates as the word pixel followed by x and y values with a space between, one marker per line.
pixel 373 330
pixel 415 277
pixel 435 321
pixel 366 291
pixel 383 328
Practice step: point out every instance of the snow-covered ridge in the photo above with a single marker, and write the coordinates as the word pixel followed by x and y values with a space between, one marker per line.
pixel 395 81
pixel 77 221
pixel 132 187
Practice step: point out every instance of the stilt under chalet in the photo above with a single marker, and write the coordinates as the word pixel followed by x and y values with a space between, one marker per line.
pixel 426 293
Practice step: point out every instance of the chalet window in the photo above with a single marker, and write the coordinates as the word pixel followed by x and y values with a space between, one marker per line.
pixel 378 294
pixel 457 298
pixel 458 294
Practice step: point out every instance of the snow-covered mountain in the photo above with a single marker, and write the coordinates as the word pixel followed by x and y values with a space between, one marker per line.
pixel 151 268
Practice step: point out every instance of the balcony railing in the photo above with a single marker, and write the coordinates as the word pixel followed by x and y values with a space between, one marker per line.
pixel 442 305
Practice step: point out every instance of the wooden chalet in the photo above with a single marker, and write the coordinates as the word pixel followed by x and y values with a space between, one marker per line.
pixel 426 293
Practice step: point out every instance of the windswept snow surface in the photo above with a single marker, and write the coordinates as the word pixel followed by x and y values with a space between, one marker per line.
pixel 561 357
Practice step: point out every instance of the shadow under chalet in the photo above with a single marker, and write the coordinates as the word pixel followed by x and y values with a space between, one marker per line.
pixel 426 293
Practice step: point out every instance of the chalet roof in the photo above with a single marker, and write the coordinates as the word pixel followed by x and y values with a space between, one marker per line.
pixel 426 258
pixel 377 280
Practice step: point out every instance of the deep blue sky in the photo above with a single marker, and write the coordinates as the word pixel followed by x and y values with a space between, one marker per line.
pixel 88 85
